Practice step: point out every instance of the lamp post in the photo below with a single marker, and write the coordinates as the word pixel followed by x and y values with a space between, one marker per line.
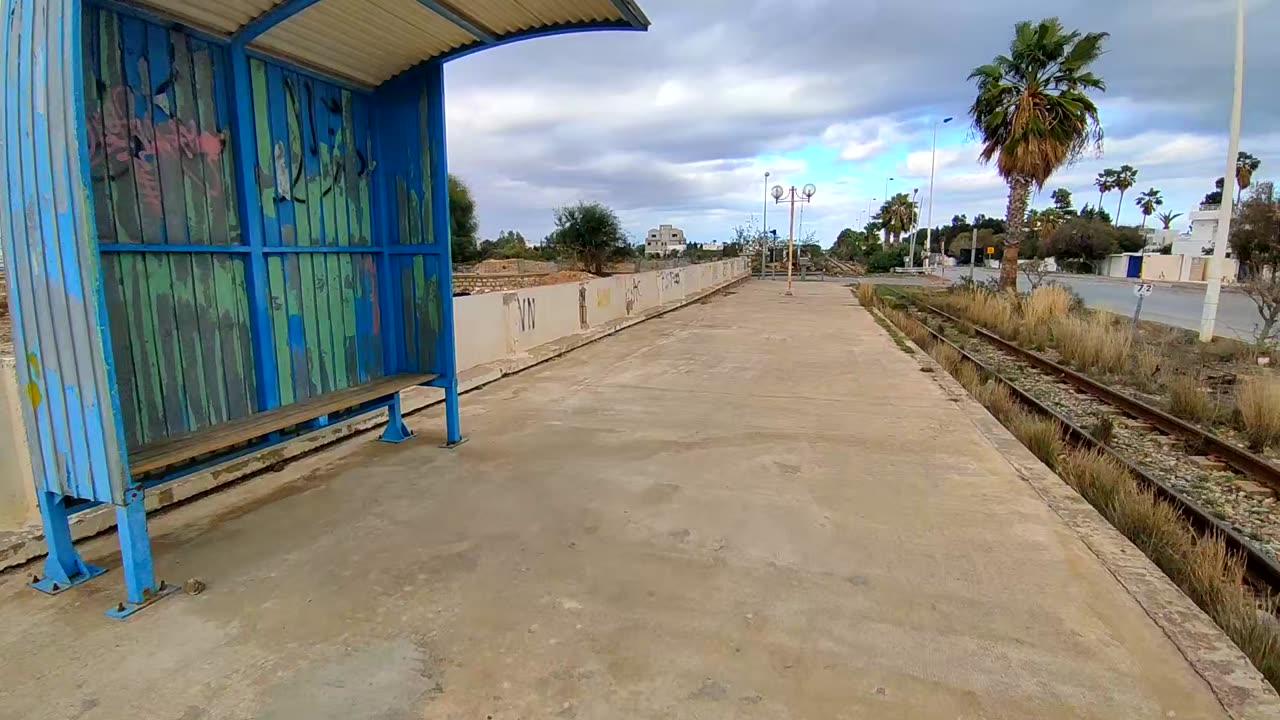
pixel 1210 316
pixel 793 196
pixel 764 231
pixel 933 167
pixel 915 223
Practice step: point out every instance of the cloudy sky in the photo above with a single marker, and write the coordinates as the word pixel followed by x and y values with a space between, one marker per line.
pixel 679 124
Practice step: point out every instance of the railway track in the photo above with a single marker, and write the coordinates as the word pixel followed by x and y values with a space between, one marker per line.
pixel 1163 452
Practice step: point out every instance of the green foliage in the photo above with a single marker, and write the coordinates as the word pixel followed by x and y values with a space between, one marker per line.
pixel 1246 166
pixel 1062 201
pixel 887 258
pixel 898 214
pixel 855 245
pixel 462 222
pixel 1082 240
pixel 1166 218
pixel 1088 212
pixel 1124 179
pixel 1255 242
pixel 591 233
pixel 1147 202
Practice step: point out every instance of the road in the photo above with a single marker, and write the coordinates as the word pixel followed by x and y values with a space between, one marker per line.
pixel 1179 306
pixel 718 513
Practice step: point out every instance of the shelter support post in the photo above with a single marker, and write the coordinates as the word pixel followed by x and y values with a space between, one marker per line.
pixel 141 588
pixel 63 567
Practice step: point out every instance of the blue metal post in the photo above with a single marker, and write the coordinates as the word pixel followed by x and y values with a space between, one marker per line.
pixel 135 555
pixel 250 205
pixel 441 232
pixel 397 431
pixel 63 567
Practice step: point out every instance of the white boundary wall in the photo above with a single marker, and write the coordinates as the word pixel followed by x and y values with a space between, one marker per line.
pixel 500 327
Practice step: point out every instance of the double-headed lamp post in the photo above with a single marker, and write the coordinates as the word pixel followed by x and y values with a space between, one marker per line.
pixel 792 196
pixel 764 231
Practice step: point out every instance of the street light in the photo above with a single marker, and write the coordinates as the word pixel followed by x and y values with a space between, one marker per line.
pixel 1210 316
pixel 804 195
pixel 764 231
pixel 933 166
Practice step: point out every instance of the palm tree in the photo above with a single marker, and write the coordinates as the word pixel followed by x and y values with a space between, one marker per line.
pixel 1126 176
pixel 898 215
pixel 1062 200
pixel 1246 166
pixel 1167 218
pixel 1105 182
pixel 1148 202
pixel 1034 116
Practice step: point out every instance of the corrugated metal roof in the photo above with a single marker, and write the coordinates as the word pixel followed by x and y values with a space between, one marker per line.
pixel 369 41
pixel 365 40
pixel 223 16
pixel 506 16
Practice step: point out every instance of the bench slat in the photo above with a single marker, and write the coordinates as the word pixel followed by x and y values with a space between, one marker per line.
pixel 180 448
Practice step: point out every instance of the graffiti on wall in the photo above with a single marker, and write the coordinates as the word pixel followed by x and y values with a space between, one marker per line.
pixel 528 310
pixel 632 294
pixel 669 279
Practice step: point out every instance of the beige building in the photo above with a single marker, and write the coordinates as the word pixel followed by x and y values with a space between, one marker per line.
pixel 664 240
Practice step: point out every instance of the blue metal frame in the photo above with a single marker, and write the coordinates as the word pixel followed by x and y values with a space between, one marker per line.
pixel 396 430
pixel 269 19
pixel 63 567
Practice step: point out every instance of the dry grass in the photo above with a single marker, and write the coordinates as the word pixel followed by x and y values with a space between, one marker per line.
pixel 947 356
pixel 1046 305
pixel 1146 365
pixel 969 377
pixel 1202 566
pixel 997 398
pixel 1259 401
pixel 867 295
pixel 1092 344
pixel 1041 435
pixel 994 311
pixel 1189 401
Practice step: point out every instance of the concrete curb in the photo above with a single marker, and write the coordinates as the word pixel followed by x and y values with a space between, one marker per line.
pixel 1241 690
pixel 17 548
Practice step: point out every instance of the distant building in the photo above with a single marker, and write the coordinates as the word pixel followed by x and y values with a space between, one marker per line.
pixel 1198 239
pixel 664 240
pixel 712 247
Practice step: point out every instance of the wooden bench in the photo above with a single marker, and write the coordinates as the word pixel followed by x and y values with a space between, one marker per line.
pixel 188 446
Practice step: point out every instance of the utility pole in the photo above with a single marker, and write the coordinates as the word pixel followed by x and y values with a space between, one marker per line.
pixel 933 167
pixel 1223 235
pixel 973 253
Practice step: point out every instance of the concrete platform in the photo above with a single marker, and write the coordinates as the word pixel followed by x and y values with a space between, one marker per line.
pixel 717 514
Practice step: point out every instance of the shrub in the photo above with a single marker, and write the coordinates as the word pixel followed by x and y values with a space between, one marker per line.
pixel 1046 305
pixel 1146 363
pixel 1189 402
pixel 1259 401
pixel 1092 344
pixel 997 398
pixel 968 377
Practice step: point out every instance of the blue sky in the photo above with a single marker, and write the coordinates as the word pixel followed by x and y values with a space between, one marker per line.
pixel 679 124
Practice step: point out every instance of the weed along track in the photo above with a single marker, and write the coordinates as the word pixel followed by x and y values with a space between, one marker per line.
pixel 1211 527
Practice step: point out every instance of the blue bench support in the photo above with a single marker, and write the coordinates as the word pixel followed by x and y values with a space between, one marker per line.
pixel 63 567
pixel 396 431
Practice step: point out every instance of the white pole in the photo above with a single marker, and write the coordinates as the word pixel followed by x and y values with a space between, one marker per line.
pixel 764 232
pixel 1223 234
pixel 933 167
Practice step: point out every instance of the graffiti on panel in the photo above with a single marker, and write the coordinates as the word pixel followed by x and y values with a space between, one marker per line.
pixel 120 139
pixel 632 294
pixel 528 309
pixel 305 146
pixel 669 279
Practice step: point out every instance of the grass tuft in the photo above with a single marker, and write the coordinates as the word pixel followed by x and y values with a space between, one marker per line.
pixel 997 398
pixel 867 296
pixel 1188 401
pixel 969 377
pixel 1258 399
pixel 1043 307
pixel 1041 435
pixel 1092 344
pixel 947 356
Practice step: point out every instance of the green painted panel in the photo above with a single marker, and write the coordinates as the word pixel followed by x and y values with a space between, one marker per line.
pixel 193 166
pixel 349 343
pixel 311 339
pixel 113 288
pixel 280 326
pixel 204 278
pixel 261 120
pixel 338 321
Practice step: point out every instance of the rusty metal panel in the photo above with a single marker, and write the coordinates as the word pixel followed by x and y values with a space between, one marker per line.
pixel 68 396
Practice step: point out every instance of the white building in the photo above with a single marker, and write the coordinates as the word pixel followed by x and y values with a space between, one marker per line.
pixel 664 240
pixel 1198 240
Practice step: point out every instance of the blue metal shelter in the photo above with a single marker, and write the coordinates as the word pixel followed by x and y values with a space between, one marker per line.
pixel 226 224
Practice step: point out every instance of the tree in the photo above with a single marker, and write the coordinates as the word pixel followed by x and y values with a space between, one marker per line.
pixel 1091 213
pixel 1255 243
pixel 1166 218
pixel 1246 166
pixel 462 222
pixel 1034 115
pixel 1062 201
pixel 897 215
pixel 1148 202
pixel 590 232
pixel 1083 240
pixel 1105 182
pixel 1215 197
pixel 1126 176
